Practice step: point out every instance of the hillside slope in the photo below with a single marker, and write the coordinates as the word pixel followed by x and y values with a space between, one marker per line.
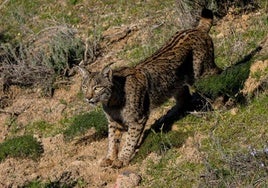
pixel 223 148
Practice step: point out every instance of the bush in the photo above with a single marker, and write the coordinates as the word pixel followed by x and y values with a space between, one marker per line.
pixel 228 83
pixel 23 146
pixel 82 122
pixel 37 61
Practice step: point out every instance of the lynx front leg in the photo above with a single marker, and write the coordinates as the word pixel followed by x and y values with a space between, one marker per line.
pixel 135 115
pixel 114 138
pixel 133 135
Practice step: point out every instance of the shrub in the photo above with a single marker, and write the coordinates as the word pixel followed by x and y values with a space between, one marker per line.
pixel 23 146
pixel 82 122
pixel 39 60
pixel 228 83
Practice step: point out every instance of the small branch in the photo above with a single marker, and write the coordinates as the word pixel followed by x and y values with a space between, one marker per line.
pixel 198 114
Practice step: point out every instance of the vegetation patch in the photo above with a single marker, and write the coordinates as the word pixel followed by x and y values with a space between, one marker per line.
pixel 160 142
pixel 39 44
pixel 23 147
pixel 232 159
pixel 239 168
pixel 81 123
pixel 228 83
pixel 55 184
pixel 170 172
pixel 234 148
pixel 50 53
pixel 42 128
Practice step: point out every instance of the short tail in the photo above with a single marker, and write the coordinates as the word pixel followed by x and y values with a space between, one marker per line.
pixel 206 20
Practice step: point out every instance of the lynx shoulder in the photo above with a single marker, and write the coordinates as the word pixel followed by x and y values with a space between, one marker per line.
pixel 127 94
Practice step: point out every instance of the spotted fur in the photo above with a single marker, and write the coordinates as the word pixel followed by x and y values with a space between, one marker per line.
pixel 127 94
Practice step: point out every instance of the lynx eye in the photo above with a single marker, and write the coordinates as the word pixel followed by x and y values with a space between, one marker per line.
pixel 84 87
pixel 97 89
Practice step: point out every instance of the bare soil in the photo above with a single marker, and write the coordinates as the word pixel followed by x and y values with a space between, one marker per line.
pixel 62 161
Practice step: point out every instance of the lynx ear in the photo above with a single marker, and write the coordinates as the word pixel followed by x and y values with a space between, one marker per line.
pixel 85 73
pixel 107 72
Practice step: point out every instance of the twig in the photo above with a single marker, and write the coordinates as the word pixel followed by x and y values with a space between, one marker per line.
pixel 198 114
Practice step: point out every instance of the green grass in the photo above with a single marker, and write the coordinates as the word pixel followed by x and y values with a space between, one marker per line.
pixel 80 124
pixel 55 184
pixel 169 172
pixel 42 128
pixel 225 150
pixel 70 127
pixel 160 143
pixel 239 168
pixel 21 147
pixel 22 18
pixel 228 83
pixel 233 47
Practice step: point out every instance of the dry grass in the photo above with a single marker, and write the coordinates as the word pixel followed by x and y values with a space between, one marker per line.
pixel 41 58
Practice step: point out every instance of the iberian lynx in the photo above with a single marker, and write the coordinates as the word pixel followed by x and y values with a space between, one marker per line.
pixel 127 94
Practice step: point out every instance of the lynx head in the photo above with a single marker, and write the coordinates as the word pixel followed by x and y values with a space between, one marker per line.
pixel 97 86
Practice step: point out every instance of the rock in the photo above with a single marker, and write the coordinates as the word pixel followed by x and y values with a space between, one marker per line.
pixel 127 179
pixel 257 77
pixel 234 111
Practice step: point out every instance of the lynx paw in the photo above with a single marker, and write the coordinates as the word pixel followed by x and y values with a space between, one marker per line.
pixel 117 164
pixel 106 162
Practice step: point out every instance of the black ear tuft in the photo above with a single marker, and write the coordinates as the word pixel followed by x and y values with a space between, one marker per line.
pixel 206 13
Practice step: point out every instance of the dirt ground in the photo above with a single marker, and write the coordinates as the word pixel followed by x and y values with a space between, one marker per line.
pixel 61 161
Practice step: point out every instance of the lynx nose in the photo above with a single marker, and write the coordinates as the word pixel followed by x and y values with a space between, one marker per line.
pixel 91 101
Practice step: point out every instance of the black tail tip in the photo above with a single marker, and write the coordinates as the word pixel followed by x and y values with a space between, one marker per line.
pixel 206 13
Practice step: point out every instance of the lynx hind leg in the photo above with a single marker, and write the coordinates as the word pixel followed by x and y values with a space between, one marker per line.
pixel 198 60
pixel 114 138
pixel 204 61
pixel 183 98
